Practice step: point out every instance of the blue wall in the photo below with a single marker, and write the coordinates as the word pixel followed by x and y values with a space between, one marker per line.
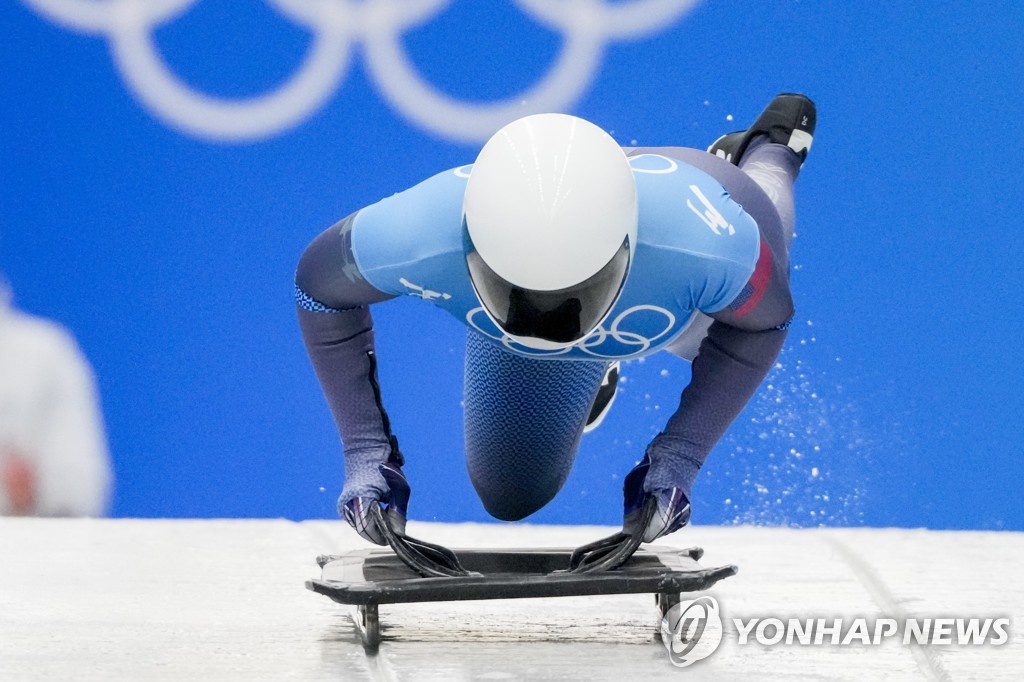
pixel 165 235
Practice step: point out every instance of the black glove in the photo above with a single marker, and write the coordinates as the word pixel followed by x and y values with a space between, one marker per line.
pixel 673 511
pixel 387 486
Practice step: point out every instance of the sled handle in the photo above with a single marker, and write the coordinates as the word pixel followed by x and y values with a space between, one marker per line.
pixel 609 553
pixel 425 558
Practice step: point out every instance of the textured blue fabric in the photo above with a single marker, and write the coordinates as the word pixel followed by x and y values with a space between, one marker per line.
pixel 307 302
pixel 523 421
pixel 675 463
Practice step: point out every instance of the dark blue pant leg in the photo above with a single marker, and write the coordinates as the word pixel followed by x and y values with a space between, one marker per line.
pixel 523 422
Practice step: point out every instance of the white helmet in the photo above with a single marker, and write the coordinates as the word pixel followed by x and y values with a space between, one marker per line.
pixel 550 216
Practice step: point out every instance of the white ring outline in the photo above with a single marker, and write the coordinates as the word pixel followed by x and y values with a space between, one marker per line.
pixel 673 166
pixel 595 338
pixel 621 21
pixel 508 341
pixel 239 119
pixel 466 122
pixel 644 342
pixel 588 26
pixel 97 17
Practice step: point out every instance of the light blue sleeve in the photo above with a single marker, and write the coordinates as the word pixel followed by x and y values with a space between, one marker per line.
pixel 412 236
pixel 707 245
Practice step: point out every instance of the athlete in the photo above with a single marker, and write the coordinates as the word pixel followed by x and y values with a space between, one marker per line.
pixel 563 254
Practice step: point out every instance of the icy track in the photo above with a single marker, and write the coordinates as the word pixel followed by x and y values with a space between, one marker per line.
pixel 222 600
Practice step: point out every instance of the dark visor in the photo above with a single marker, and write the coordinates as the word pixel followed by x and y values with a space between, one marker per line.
pixel 560 316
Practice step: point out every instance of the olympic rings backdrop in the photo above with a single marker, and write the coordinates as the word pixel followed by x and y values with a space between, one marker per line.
pixel 164 163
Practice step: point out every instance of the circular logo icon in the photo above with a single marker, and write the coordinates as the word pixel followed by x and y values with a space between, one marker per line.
pixel 338 26
pixel 692 630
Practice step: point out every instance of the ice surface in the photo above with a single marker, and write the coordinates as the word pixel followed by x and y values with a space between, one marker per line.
pixel 190 599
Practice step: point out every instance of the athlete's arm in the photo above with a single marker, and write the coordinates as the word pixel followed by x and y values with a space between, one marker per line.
pixel 740 348
pixel 333 300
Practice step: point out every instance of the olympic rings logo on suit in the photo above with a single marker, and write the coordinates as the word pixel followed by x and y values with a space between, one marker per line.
pixel 588 27
pixel 591 345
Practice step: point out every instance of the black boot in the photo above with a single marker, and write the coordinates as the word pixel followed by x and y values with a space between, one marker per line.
pixel 789 120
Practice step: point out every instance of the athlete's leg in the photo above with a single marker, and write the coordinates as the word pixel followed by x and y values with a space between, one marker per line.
pixel 523 422
pixel 774 167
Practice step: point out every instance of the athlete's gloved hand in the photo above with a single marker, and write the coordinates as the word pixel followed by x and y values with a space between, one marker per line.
pixel 673 510
pixel 387 486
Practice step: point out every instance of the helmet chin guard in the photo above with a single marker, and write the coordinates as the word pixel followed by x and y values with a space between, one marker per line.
pixel 550 219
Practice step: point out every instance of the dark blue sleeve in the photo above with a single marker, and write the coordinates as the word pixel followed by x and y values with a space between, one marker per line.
pixel 741 345
pixel 332 302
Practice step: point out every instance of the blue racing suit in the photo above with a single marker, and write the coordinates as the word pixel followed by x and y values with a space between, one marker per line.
pixel 709 281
